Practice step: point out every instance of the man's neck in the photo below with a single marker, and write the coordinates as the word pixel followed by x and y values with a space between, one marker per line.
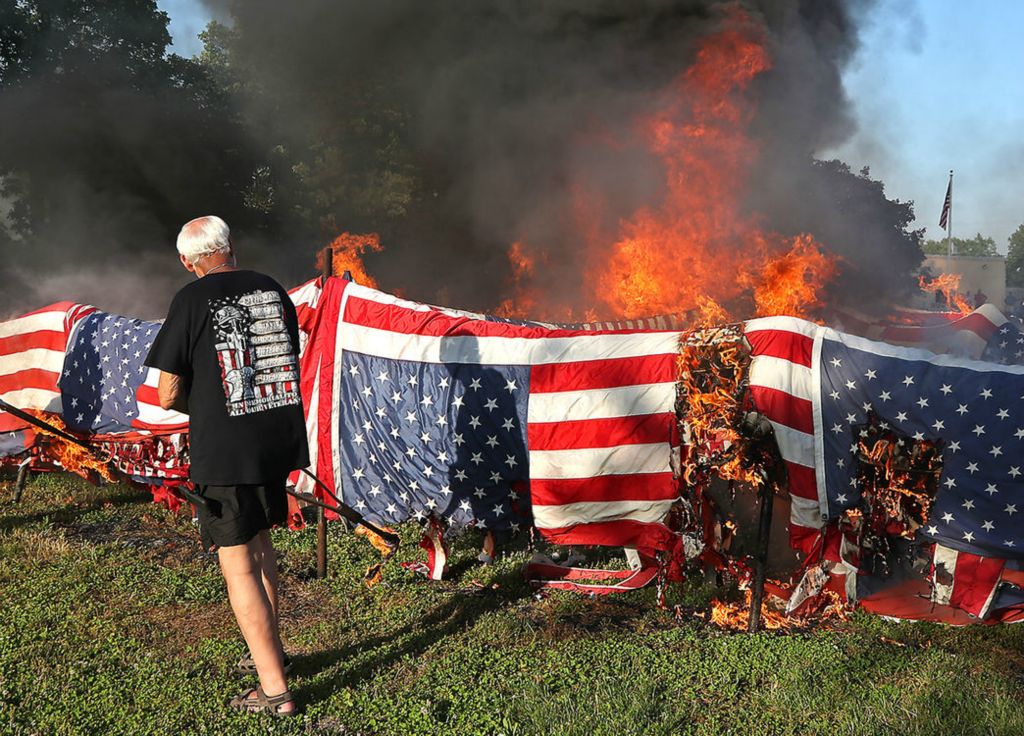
pixel 215 264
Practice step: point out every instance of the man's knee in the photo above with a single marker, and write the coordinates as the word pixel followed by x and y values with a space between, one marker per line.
pixel 241 559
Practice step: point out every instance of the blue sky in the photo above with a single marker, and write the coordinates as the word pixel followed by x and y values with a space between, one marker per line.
pixel 936 85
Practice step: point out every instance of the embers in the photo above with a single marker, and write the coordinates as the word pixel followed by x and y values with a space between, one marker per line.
pixel 898 477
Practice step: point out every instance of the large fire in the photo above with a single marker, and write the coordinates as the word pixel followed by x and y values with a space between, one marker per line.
pixel 347 250
pixel 696 250
pixel 946 286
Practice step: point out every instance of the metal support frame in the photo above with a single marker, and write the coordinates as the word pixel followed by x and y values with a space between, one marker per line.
pixel 21 480
pixel 766 496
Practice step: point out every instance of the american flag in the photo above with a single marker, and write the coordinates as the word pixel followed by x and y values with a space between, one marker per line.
pixel 105 388
pixel 947 203
pixel 435 412
pixel 817 387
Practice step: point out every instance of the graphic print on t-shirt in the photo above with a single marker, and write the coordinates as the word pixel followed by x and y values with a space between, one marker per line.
pixel 258 367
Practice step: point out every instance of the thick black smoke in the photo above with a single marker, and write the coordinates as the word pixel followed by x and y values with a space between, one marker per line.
pixel 452 128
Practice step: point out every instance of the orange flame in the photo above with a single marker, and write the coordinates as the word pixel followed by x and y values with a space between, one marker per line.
pixel 697 249
pixel 947 284
pixel 347 255
pixel 73 458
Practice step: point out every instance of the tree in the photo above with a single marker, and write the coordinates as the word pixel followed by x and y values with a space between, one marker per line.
pixel 1015 259
pixel 976 246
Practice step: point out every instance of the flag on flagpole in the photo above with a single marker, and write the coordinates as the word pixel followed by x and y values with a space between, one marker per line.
pixel 947 205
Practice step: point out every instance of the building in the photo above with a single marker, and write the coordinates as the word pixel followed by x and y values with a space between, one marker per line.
pixel 984 273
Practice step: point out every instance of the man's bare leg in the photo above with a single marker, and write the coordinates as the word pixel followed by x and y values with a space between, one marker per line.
pixel 243 572
pixel 268 567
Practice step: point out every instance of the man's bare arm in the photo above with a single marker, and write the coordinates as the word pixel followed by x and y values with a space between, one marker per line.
pixel 171 392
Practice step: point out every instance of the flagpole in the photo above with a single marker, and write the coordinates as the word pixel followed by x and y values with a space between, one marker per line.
pixel 949 218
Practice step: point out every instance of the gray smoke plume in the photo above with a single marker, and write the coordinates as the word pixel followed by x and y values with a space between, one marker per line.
pixel 478 120
pixel 502 102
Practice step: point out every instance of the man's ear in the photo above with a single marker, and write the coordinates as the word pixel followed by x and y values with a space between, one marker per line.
pixel 184 262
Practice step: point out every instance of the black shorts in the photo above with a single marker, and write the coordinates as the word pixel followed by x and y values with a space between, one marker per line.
pixel 235 514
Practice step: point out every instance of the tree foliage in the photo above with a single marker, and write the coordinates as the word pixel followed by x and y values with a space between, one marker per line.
pixel 1015 259
pixel 979 245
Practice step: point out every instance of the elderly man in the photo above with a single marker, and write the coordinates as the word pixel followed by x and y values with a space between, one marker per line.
pixel 228 356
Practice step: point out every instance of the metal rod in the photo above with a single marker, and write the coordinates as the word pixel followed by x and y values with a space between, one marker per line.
pixel 327 270
pixel 41 424
pixel 766 496
pixel 22 479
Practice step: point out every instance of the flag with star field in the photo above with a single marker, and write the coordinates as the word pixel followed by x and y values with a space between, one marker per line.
pixel 818 386
pixel 475 420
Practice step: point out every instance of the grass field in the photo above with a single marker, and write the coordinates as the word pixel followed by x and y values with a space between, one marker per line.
pixel 112 621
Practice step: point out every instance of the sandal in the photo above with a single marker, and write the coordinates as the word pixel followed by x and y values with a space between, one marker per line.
pixel 246 666
pixel 262 703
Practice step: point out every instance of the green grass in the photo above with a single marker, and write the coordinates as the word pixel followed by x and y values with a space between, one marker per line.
pixel 112 621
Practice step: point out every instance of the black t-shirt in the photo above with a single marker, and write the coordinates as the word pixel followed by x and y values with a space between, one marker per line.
pixel 233 337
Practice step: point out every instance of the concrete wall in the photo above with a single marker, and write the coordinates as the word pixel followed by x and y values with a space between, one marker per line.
pixel 987 273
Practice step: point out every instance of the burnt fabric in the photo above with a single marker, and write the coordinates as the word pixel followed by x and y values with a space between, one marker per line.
pixel 233 338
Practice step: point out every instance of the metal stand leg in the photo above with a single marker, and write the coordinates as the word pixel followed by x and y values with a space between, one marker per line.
pixel 764 528
pixel 19 483
pixel 321 544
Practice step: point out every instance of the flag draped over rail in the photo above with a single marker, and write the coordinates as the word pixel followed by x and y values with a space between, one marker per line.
pixel 419 411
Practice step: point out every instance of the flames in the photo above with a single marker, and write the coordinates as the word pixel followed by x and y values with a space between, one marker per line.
pixel 948 286
pixel 347 255
pixel 697 250
pixel 68 455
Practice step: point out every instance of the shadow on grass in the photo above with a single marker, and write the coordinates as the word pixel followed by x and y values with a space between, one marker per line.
pixel 62 514
pixel 451 617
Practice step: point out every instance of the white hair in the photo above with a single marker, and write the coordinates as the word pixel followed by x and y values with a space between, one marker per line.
pixel 203 236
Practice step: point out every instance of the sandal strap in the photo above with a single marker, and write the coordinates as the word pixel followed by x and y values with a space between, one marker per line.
pixel 275 700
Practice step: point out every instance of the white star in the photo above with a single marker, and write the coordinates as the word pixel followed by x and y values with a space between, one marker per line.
pixel 511 461
pixel 901 417
pixel 491 404
pixel 946 389
pixel 359 439
pixel 996 451
pixel 459 441
pixel 442 421
pixel 80 418
pixel 458 402
pixel 988 526
pixel 360 505
pixel 358 474
pixel 885 396
pixel 918 436
pixel 496 477
pixel 475 384
pixel 986 393
pixel 968 504
pixel 410 417
pixel 366 391
pixel 837 428
pixel 492 441
pixel 444 382
pixel 477 458
pixel 511 386
pixel 851 385
pixel 414 486
pixel 841 463
pixel 1010 543
pixel 962 409
pixel 1002 414
pixel 383 376
pixel 381 412
pixel 871 375
pixel 464 504
pixel 947 517
pixel 972 468
pixel 841 498
pixel 508 424
pixel 474 422
pixel 431 504
pixel 411 452
pixel 954 446
pixel 908 380
pixel 1011 508
pixel 479 493
pixel 442 457
pixel 446 489
pixel 950 483
pixel 74 403
pixel 1019 434
pixel 426 401
pixel 1014 470
pixel 979 429
pixel 933 530
pixel 394 432
pixel 425 437
pixel 834 394
pixel 851 418
pixel 460 474
pixel 354 370
pixel 396 397
pixel 969 536
pixel 991 489
pixel 413 380
pixel 498 510
pixel 939 425
pixel 866 406
pixel 836 362
pixel 922 402
pixel 391 508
